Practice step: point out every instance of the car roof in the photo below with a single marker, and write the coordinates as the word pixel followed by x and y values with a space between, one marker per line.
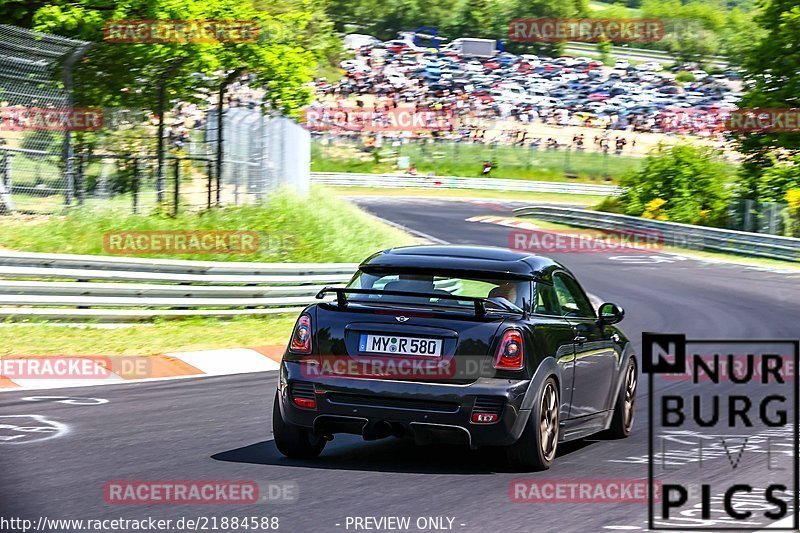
pixel 484 260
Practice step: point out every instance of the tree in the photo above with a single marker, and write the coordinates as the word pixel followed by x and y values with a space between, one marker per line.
pixel 681 183
pixel 777 180
pixel 772 74
pixel 116 74
pixel 604 49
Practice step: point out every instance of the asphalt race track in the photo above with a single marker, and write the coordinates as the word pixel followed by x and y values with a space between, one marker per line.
pixel 219 428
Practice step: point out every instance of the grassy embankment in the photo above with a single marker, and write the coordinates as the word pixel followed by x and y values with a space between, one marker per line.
pixel 319 229
pixel 466 160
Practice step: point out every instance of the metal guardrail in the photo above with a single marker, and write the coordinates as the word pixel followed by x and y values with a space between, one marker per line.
pixel 171 266
pixel 123 288
pixel 112 289
pixel 673 233
pixel 642 53
pixel 342 179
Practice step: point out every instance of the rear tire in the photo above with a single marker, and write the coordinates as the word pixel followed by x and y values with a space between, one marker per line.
pixel 536 448
pixel 622 420
pixel 294 441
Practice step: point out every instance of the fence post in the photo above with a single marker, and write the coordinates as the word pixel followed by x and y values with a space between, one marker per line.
pixel 528 159
pixel 6 194
pixel 135 185
pixel 567 168
pixel 209 171
pixel 81 181
pixel 66 145
pixel 221 97
pixel 177 171
pixel 162 105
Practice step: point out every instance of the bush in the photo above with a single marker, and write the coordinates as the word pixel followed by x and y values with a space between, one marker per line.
pixel 611 204
pixel 768 178
pixel 777 181
pixel 604 49
pixel 681 183
pixel 655 209
pixel 684 76
pixel 793 226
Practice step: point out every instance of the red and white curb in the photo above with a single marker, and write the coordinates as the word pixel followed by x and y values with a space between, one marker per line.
pixel 30 373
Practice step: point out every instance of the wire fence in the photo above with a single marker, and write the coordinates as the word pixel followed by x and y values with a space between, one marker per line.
pixel 34 182
pixel 261 153
pixel 36 74
pixel 338 153
pixel 49 164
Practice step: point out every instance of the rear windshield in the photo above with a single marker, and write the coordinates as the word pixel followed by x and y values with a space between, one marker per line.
pixel 514 291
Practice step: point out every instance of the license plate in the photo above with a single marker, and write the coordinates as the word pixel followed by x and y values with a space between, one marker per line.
pixel 395 345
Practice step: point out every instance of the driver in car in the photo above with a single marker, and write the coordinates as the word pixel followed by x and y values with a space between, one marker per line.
pixel 506 290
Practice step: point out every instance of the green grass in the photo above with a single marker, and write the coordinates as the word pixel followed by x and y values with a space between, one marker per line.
pixel 460 159
pixel 320 228
pixel 467 193
pixel 599 9
pixel 147 339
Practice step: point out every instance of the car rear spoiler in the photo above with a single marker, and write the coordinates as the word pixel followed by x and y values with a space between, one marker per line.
pixel 479 303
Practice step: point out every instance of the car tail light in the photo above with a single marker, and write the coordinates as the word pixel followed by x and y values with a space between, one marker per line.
pixel 510 354
pixel 303 395
pixel 301 336
pixel 487 410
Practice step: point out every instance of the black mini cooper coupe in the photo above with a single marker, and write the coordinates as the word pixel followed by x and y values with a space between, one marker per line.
pixel 461 344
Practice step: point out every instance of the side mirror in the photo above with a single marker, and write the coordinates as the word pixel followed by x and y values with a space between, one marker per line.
pixel 611 313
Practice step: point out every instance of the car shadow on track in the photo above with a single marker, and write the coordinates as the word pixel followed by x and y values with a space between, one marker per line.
pixel 389 455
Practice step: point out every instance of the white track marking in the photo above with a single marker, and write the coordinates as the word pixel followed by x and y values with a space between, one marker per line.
pixel 647 259
pixel 15 429
pixel 66 400
pixel 504 221
pixel 230 361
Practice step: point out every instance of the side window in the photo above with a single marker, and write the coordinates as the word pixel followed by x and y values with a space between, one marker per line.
pixel 571 299
pixel 546 300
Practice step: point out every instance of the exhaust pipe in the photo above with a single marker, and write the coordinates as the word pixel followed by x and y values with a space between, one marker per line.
pixel 377 430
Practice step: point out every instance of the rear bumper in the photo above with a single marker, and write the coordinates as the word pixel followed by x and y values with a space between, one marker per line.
pixel 426 412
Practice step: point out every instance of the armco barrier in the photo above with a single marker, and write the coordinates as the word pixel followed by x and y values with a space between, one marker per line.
pixel 342 179
pixel 100 288
pixel 86 287
pixel 685 235
pixel 641 54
